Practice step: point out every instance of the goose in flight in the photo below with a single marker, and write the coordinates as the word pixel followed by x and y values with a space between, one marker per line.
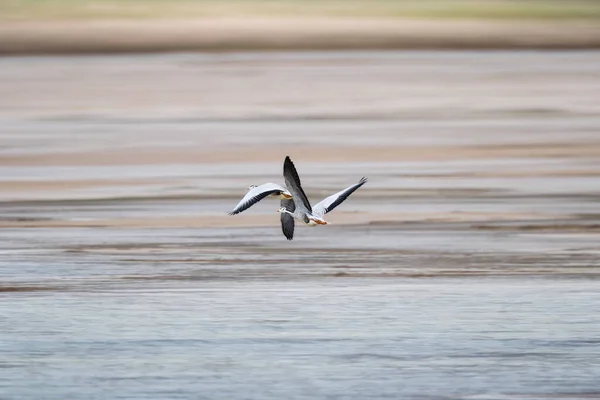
pixel 302 209
pixel 257 193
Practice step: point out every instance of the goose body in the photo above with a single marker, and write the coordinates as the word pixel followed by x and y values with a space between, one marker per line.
pixel 302 210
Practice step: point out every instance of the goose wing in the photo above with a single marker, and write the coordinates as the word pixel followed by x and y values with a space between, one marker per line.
pixel 287 220
pixel 328 204
pixel 255 195
pixel 292 181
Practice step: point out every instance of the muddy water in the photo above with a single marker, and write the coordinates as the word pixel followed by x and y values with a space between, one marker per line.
pixel 467 268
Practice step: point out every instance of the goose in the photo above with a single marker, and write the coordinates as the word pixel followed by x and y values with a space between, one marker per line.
pixel 302 209
pixel 257 193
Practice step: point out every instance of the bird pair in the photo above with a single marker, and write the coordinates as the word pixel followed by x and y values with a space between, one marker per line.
pixel 294 203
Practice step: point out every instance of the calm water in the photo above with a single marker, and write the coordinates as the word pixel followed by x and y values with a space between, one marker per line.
pixel 467 268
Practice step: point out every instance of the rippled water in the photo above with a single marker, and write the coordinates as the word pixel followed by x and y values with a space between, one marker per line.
pixel 220 314
pixel 467 268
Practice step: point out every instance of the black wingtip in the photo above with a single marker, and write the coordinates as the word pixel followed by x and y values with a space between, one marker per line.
pixel 288 166
pixel 287 162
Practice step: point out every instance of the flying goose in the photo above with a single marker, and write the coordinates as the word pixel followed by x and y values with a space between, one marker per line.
pixel 257 193
pixel 302 209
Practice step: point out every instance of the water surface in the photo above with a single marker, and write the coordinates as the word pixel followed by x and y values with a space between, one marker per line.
pixel 467 268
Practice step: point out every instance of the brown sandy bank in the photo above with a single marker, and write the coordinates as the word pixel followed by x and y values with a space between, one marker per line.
pixel 274 153
pixel 492 143
pixel 265 220
pixel 314 33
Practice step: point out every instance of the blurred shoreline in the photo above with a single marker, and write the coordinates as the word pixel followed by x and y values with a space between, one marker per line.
pixel 29 37
pixel 479 139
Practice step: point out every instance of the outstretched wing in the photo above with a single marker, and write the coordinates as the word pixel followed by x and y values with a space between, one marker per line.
pixel 331 202
pixel 287 221
pixel 292 181
pixel 255 195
